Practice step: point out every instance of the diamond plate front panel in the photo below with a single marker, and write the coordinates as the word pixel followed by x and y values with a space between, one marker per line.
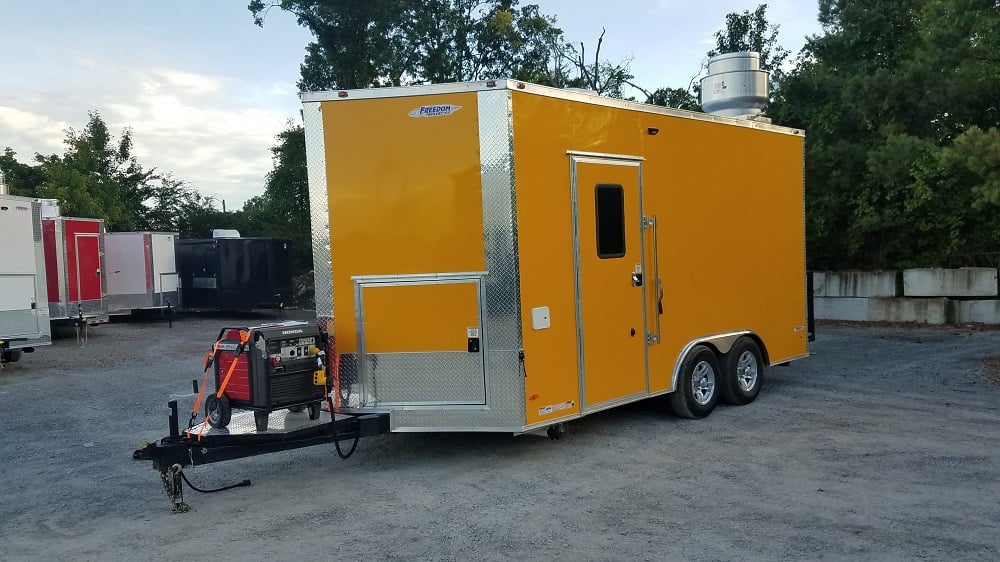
pixel 496 149
pixel 411 378
pixel 19 323
pixel 504 411
pixel 319 212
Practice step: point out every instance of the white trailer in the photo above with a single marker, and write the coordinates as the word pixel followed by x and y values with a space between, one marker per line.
pixel 141 271
pixel 24 312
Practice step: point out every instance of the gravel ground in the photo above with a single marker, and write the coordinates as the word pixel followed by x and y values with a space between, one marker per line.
pixel 882 445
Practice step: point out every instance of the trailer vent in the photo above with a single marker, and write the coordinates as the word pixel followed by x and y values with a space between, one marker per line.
pixel 49 208
pixel 735 85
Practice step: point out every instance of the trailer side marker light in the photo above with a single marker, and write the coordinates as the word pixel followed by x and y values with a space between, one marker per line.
pixel 520 85
pixel 533 397
pixel 341 94
pixel 491 84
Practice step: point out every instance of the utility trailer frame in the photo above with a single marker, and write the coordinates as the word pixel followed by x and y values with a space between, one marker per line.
pixel 183 450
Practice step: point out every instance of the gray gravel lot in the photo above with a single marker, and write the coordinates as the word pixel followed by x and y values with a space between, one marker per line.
pixel 882 445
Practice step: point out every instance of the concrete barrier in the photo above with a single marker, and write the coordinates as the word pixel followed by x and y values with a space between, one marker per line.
pixel 849 284
pixel 834 308
pixel 984 312
pixel 964 282
pixel 903 309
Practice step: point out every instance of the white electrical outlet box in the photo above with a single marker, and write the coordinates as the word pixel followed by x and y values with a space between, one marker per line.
pixel 540 318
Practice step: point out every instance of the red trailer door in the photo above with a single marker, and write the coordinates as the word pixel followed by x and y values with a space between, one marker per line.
pixel 87 285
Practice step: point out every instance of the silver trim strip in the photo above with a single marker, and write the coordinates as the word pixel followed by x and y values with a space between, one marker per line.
pixel 547 423
pixel 722 341
pixel 616 402
pixel 602 156
pixel 417 277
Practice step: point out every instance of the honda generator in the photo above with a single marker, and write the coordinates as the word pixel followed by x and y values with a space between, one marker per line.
pixel 266 368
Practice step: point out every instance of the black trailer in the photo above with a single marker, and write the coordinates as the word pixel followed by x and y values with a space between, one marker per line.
pixel 234 274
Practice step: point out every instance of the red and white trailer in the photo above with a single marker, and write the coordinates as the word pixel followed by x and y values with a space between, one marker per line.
pixel 74 260
pixel 141 271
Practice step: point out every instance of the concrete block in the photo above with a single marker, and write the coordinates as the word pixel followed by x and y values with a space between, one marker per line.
pixel 902 309
pixel 964 282
pixel 854 284
pixel 831 308
pixel 984 312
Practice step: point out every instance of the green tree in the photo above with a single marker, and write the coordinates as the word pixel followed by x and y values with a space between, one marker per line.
pixel 396 42
pixel 22 179
pixel 98 176
pixel 751 31
pixel 282 211
pixel 898 101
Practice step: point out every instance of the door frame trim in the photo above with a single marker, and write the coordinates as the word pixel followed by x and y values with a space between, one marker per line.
pixel 575 158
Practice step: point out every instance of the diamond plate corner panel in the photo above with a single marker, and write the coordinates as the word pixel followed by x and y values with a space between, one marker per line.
pixel 319 212
pixel 437 377
pixel 505 411
pixel 503 284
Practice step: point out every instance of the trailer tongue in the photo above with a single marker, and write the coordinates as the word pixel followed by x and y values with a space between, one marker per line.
pixel 265 378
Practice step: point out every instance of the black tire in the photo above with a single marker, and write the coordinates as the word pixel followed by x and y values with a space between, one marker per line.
pixel 314 410
pixel 296 409
pixel 697 385
pixel 12 356
pixel 742 372
pixel 218 412
pixel 260 420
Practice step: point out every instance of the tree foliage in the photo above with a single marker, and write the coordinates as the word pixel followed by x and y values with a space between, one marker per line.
pixel 899 102
pixel 751 31
pixel 282 211
pixel 396 42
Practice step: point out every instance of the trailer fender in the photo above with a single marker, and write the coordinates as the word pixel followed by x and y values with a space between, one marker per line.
pixel 721 343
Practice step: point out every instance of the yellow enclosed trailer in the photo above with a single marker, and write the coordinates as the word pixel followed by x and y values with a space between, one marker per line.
pixel 502 256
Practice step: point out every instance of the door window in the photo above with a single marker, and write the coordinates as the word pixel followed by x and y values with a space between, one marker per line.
pixel 610 202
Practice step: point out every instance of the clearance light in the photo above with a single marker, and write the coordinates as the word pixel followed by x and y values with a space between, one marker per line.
pixel 341 94
pixel 491 84
pixel 520 85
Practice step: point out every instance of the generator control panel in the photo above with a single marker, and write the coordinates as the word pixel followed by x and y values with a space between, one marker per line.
pixel 291 348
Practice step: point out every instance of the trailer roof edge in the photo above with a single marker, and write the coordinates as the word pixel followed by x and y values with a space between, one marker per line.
pixel 536 89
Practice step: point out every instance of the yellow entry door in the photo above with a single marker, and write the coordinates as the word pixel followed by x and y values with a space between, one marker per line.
pixel 610 279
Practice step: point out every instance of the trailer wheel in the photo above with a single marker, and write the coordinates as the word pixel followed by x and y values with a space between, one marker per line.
pixel 218 411
pixel 742 372
pixel 11 356
pixel 314 410
pixel 260 420
pixel 697 386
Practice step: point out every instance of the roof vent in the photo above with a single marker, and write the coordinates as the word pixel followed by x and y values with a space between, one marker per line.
pixel 49 208
pixel 735 85
pixel 225 233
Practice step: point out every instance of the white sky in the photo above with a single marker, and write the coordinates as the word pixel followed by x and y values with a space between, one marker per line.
pixel 205 91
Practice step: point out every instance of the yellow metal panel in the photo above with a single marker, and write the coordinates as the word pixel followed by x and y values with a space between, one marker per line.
pixel 731 253
pixel 613 338
pixel 412 317
pixel 405 193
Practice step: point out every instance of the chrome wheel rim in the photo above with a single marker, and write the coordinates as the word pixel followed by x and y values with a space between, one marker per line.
pixel 703 383
pixel 747 371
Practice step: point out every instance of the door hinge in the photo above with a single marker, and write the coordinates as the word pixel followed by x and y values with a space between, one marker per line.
pixel 652 338
pixel 648 222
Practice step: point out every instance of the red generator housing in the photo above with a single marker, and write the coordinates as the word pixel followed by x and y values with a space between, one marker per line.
pixel 74 262
pixel 275 370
